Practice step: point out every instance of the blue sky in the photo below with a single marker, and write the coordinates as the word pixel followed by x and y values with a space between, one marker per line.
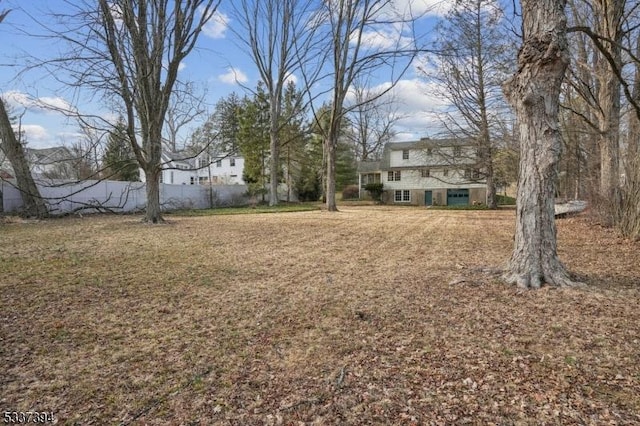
pixel 216 64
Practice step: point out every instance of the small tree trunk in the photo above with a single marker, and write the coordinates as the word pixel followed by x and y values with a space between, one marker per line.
pixel 610 14
pixel 34 205
pixel 273 165
pixel 534 94
pixel 492 201
pixel 331 175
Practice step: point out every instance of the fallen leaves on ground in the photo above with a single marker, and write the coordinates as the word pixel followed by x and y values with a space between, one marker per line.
pixel 354 318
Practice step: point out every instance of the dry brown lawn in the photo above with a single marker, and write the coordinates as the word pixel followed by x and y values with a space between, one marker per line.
pixel 314 318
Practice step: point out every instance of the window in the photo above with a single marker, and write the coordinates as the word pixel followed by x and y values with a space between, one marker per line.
pixel 232 162
pixel 370 178
pixel 402 196
pixel 429 151
pixel 472 174
pixel 391 176
pixel 405 154
pixel 192 180
pixel 457 151
pixel 425 173
pixel 219 163
pixel 445 172
pixel 171 177
pixel 203 162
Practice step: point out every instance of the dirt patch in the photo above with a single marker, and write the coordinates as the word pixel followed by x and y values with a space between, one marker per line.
pixel 313 317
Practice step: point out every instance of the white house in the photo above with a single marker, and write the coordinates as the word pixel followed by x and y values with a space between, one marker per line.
pixel 58 162
pixel 185 168
pixel 426 172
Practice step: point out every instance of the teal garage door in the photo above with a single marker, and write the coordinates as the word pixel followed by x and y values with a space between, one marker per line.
pixel 457 197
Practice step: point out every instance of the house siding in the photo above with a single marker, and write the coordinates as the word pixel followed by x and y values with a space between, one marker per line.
pixel 443 174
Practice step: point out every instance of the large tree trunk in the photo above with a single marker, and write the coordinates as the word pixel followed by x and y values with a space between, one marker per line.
pixel 534 94
pixel 34 205
pixel 153 169
pixel 153 213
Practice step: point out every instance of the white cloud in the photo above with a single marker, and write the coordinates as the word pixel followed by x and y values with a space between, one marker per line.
pixel 217 25
pixel 416 103
pixel 35 134
pixel 290 78
pixel 384 40
pixel 181 66
pixel 45 104
pixel 233 76
pixel 419 8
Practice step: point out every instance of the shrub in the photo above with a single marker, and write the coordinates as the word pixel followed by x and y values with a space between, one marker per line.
pixel 350 192
pixel 505 200
pixel 375 190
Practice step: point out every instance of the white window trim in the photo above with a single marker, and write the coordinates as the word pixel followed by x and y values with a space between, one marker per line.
pixel 402 193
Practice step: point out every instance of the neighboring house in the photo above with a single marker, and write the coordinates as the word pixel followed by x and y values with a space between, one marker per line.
pixel 183 168
pixel 57 162
pixel 220 170
pixel 426 172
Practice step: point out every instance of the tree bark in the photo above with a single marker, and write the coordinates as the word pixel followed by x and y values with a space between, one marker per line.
pixel 274 163
pixel 34 205
pixel 153 212
pixel 492 202
pixel 534 93
pixel 331 148
pixel 609 13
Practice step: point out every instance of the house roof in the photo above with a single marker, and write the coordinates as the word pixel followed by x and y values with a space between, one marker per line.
pixel 368 166
pixel 424 143
pixel 52 155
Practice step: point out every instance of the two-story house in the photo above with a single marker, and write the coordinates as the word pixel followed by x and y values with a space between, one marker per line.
pixel 186 168
pixel 426 172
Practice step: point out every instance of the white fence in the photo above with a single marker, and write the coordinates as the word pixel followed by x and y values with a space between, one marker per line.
pixel 116 196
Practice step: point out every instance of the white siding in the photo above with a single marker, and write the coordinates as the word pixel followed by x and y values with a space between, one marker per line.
pixel 438 156
pixel 412 179
pixel 225 173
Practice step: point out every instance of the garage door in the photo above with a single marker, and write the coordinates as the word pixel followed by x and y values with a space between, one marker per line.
pixel 457 197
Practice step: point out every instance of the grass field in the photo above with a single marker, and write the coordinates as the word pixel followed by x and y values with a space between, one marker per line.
pixel 357 317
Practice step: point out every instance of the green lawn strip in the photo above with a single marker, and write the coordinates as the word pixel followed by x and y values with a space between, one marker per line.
pixel 461 207
pixel 247 210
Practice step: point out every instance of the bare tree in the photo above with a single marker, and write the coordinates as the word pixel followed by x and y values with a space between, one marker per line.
pixel 609 14
pixel 352 56
pixel 11 147
pixel 278 35
pixel 534 92
pixel 472 60
pixel 604 33
pixel 34 205
pixel 185 105
pixel 371 121
pixel 130 51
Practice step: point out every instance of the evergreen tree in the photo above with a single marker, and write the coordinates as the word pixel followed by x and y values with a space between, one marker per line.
pixel 219 133
pixel 253 141
pixel 119 161
pixel 294 138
